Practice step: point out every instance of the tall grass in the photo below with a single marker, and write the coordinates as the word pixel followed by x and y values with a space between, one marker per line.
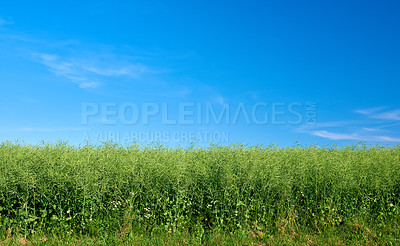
pixel 92 190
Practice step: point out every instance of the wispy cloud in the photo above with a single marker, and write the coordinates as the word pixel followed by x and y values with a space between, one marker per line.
pixel 377 127
pixel 87 74
pixel 380 128
pixel 131 70
pixel 353 136
pixel 388 115
pixel 369 111
pixel 380 113
pixel 87 65
pixel 29 100
pixel 388 139
pixel 332 124
pixel 126 71
pixel 67 70
pixel 335 136
pixel 4 22
pixel 370 129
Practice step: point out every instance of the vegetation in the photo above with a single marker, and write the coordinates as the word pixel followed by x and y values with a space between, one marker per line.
pixel 227 195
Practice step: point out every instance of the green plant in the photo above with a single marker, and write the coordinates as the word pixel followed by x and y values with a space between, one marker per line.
pixel 263 191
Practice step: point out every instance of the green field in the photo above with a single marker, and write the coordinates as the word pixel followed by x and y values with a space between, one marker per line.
pixel 243 195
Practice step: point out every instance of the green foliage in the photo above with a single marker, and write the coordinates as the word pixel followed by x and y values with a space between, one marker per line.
pixel 97 190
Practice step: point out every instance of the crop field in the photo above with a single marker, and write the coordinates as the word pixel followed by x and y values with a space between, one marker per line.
pixel 229 195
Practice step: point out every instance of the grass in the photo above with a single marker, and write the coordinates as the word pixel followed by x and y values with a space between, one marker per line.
pixel 225 195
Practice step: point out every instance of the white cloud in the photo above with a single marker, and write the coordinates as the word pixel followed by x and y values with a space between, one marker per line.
pixel 85 85
pixel 67 70
pixel 332 124
pixel 378 113
pixel 4 22
pixel 335 136
pixel 370 129
pixel 129 70
pixel 29 100
pixel 388 139
pixel 353 136
pixel 369 111
pixel 388 115
pixel 87 73
pixel 183 92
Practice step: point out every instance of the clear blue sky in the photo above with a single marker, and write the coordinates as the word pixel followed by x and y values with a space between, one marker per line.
pixel 273 57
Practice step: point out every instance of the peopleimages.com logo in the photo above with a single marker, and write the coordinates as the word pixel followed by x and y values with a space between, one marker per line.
pixel 188 113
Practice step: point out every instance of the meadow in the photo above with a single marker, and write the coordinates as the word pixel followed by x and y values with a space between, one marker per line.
pixel 219 195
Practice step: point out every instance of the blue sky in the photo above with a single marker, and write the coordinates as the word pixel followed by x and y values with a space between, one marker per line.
pixel 174 59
